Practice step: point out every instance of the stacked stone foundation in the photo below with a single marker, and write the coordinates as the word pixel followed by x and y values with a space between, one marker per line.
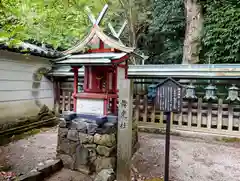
pixel 89 146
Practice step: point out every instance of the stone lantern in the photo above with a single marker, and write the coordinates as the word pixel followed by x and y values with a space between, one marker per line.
pixel 210 92
pixel 151 92
pixel 190 92
pixel 233 93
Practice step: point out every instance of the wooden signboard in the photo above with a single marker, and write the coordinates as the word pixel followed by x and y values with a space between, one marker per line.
pixel 168 99
pixel 169 96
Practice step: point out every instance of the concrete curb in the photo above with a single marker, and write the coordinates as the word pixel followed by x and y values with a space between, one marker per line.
pixel 42 172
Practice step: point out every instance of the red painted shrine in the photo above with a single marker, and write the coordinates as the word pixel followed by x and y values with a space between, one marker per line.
pixel 105 62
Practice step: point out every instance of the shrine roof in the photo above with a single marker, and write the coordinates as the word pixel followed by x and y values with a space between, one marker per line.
pixel 90 58
pixel 107 40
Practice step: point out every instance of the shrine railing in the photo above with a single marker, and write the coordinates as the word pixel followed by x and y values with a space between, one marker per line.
pixel 204 109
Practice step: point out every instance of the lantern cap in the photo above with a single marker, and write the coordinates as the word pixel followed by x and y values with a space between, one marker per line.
pixel 211 87
pixel 233 87
pixel 190 86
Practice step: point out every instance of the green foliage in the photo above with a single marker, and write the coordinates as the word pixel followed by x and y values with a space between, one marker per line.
pixel 221 39
pixel 59 23
pixel 166 32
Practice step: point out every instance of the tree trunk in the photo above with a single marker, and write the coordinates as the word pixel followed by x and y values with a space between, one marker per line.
pixel 193 32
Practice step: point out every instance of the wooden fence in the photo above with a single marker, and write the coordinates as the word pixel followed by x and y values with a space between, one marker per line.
pixel 218 117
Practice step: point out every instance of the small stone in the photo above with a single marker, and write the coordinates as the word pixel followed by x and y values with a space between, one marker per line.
pixel 72 135
pixel 105 163
pixel 92 128
pixel 92 155
pixel 105 140
pixel 83 169
pixel 85 138
pixel 79 125
pixel 67 161
pixel 63 146
pixel 108 128
pixel 90 146
pixel 105 175
pixel 72 146
pixel 69 116
pixel 62 124
pixel 105 151
pixel 82 155
pixel 62 132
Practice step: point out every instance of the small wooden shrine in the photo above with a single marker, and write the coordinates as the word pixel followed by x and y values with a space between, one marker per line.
pixel 105 61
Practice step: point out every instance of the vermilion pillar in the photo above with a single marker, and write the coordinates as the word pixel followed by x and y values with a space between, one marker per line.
pixel 75 88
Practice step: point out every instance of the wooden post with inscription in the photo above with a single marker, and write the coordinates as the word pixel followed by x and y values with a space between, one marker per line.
pixel 168 99
pixel 124 146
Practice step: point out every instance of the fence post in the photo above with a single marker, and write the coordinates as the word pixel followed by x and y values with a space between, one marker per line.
pixel 69 101
pixel 189 113
pixel 199 113
pixel 145 105
pixel 209 116
pixel 230 117
pixel 153 114
pixel 219 119
pixel 137 108
pixel 63 101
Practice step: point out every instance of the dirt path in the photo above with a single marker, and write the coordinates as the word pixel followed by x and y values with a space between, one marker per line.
pixel 26 154
pixel 191 159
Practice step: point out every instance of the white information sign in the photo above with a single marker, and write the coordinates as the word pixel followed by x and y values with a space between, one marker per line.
pixel 90 106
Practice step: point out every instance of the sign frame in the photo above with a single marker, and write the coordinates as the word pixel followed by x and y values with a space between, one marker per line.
pixel 169 96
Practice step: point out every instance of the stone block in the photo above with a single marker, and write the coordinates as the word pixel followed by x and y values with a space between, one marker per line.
pixel 82 156
pixel 105 175
pixel 62 123
pixel 73 135
pixel 72 147
pixel 105 151
pixel 63 145
pixel 91 128
pixel 105 163
pixel 108 128
pixel 79 125
pixel 92 155
pixel 62 132
pixel 67 161
pixel 69 116
pixel 85 138
pixel 105 140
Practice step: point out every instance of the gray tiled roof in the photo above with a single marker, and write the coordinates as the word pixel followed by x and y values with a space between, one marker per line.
pixel 32 49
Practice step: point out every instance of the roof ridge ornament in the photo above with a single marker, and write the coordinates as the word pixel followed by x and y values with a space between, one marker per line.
pixel 92 18
pixel 115 34
pixel 97 31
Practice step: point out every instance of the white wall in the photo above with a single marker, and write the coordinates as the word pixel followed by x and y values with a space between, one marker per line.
pixel 16 99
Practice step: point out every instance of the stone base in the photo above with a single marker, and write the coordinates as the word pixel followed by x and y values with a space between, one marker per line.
pixel 86 146
pixel 90 146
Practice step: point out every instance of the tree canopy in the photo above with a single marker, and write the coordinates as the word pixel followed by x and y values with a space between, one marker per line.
pixel 156 27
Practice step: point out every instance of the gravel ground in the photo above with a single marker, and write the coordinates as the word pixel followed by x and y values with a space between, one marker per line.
pixel 26 154
pixel 191 159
